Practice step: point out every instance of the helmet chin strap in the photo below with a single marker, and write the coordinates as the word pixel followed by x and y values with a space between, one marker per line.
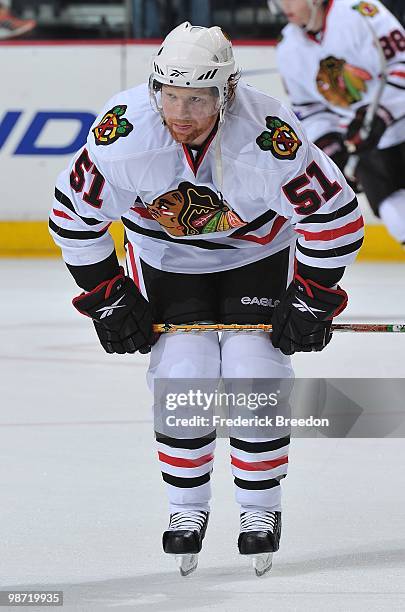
pixel 218 155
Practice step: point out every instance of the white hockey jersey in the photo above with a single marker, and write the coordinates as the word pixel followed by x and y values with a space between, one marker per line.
pixel 330 75
pixel 180 216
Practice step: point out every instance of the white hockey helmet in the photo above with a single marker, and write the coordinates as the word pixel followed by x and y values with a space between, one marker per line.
pixel 193 56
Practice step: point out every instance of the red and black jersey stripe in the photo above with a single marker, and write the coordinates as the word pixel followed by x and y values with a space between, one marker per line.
pixel 76 235
pixel 202 244
pixel 332 216
pixel 332 253
pixel 63 199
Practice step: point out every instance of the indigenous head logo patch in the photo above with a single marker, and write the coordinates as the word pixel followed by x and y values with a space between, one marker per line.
pixel 112 126
pixel 341 84
pixel 366 8
pixel 191 209
pixel 280 140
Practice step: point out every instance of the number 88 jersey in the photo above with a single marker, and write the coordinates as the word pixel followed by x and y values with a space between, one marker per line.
pixel 330 75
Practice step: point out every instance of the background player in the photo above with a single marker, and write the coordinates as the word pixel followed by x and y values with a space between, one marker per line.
pixel 333 79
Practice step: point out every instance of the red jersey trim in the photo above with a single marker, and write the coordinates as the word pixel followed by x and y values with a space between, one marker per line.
pixel 191 162
pixel 397 73
pixel 135 274
pixel 277 225
pixel 60 213
pixel 350 228
pixel 142 212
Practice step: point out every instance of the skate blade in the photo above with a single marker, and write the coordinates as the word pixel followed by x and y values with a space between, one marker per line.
pixel 187 563
pixel 262 563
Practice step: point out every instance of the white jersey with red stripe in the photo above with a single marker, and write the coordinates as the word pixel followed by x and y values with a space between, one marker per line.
pixel 328 76
pixel 179 215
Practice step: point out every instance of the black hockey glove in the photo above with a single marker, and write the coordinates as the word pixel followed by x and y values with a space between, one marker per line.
pixel 334 146
pixel 121 315
pixel 302 320
pixel 359 142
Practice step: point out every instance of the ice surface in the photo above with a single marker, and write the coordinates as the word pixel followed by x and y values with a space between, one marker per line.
pixel 82 503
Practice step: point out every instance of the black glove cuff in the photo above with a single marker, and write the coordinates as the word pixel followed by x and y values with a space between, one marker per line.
pixel 90 276
pixel 86 303
pixel 327 277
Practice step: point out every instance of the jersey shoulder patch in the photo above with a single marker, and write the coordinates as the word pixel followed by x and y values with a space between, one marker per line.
pixel 367 9
pixel 279 138
pixel 112 126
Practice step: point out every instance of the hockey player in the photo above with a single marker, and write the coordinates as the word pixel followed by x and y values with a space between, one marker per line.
pixel 342 63
pixel 214 181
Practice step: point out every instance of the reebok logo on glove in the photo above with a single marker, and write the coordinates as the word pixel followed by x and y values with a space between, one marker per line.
pixel 304 307
pixel 108 310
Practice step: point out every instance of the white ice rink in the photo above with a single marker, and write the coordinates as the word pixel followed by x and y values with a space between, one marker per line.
pixel 83 506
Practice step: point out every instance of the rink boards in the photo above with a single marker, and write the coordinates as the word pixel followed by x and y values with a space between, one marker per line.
pixel 53 93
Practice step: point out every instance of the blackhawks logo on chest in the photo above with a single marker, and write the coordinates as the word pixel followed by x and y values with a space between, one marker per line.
pixel 190 210
pixel 340 83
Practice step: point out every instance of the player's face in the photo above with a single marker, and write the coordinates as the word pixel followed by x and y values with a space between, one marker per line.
pixel 296 11
pixel 190 114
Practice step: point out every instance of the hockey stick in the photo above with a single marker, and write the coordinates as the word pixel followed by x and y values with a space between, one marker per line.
pixel 165 328
pixel 351 166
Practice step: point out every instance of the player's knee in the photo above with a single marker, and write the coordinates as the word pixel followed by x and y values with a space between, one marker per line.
pixel 252 355
pixel 185 355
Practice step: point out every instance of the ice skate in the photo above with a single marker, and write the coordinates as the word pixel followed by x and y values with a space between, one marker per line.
pixel 184 537
pixel 259 538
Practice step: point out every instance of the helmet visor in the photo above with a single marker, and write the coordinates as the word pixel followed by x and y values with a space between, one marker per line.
pixel 186 102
